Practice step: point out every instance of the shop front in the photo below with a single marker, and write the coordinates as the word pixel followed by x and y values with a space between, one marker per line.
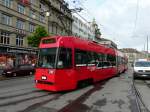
pixel 13 56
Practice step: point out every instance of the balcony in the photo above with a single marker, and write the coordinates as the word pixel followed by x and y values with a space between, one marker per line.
pixel 24 2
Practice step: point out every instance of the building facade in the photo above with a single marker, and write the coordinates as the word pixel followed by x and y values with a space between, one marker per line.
pixel 19 18
pixel 96 30
pixel 81 29
pixel 60 19
pixel 133 54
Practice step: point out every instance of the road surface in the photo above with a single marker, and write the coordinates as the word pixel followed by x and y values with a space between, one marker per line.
pixel 113 95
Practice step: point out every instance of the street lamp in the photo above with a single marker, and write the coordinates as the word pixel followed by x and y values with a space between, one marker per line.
pixel 47 13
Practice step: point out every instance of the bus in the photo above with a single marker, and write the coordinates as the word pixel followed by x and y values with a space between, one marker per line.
pixel 65 62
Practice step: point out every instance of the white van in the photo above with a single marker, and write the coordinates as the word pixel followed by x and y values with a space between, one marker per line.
pixel 142 60
pixel 141 69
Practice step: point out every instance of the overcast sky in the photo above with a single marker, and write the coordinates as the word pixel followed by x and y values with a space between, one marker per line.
pixel 117 18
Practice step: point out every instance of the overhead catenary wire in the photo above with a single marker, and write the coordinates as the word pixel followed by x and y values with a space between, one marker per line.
pixel 79 3
pixel 136 16
pixel 85 9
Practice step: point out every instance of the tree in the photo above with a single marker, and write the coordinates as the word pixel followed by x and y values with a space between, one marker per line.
pixel 34 39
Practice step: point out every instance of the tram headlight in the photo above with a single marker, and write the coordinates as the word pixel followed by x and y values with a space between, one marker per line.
pixel 9 72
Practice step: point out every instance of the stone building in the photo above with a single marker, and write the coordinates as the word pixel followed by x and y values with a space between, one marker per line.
pixel 60 19
pixel 97 33
pixel 19 18
pixel 133 54
pixel 82 29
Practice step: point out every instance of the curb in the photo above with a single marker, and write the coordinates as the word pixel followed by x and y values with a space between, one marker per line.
pixel 2 78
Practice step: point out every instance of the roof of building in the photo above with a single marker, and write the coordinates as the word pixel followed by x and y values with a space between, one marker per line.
pixel 129 50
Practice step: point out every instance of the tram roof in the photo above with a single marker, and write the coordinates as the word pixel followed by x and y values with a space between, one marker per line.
pixel 79 43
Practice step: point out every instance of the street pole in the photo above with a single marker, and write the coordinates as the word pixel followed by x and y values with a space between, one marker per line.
pixel 147 47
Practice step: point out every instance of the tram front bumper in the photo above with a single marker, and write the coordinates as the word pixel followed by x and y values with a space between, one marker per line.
pixel 44 85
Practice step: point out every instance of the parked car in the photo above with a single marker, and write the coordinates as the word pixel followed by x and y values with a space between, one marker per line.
pixel 25 69
pixel 141 69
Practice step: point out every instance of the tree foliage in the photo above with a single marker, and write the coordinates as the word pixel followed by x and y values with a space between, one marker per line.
pixel 34 39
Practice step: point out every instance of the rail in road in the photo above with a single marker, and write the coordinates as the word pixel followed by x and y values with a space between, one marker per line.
pixel 2 78
pixel 19 95
pixel 140 103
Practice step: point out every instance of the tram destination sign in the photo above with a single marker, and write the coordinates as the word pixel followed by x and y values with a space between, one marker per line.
pixel 48 41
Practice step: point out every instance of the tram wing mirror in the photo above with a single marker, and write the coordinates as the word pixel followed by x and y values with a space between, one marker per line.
pixel 60 64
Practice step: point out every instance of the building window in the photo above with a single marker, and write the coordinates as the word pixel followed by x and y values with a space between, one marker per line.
pixel 20 24
pixel 52 28
pixel 21 8
pixel 5 19
pixel 42 18
pixel 42 7
pixel 19 40
pixel 7 3
pixel 56 30
pixel 5 38
pixel 32 1
pixel 32 14
pixel 31 28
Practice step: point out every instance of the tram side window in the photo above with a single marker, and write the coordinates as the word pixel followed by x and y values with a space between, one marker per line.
pixel 119 60
pixel 106 64
pixel 65 58
pixel 114 60
pixel 81 57
pixel 99 59
pixel 106 61
pixel 123 61
pixel 111 59
pixel 96 56
pixel 91 58
pixel 104 57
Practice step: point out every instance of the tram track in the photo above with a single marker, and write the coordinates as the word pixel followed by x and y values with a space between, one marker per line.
pixel 3 78
pixel 76 105
pixel 141 106
pixel 40 104
pixel 39 101
pixel 17 95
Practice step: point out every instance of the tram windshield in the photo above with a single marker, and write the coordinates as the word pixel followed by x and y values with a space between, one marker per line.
pixel 55 58
pixel 47 57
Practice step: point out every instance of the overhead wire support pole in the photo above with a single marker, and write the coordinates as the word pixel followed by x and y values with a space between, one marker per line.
pixel 147 46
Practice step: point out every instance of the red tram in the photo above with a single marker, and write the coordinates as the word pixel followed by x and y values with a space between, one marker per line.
pixel 64 62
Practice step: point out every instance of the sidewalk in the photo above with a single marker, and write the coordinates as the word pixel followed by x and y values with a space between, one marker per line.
pixel 114 97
